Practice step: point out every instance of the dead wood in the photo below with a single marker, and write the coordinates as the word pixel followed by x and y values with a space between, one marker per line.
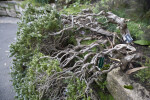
pixel 81 60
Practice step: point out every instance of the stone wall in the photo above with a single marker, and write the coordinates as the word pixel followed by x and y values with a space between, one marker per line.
pixel 116 81
pixel 10 8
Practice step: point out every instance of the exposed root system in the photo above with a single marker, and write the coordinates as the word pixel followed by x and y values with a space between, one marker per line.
pixel 78 59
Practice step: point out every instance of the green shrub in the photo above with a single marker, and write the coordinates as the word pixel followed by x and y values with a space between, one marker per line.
pixel 74 8
pixel 146 35
pixel 24 3
pixel 133 8
pixel 109 5
pixel 119 8
pixel 144 38
pixel 136 29
pixel 76 89
pixel 30 67
pixel 26 87
pixel 139 8
pixel 37 3
pixel 35 25
pixel 101 87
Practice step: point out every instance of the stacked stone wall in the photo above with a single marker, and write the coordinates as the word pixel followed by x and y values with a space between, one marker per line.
pixel 10 8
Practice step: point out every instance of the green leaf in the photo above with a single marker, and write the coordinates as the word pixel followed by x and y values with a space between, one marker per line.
pixel 128 87
pixel 142 42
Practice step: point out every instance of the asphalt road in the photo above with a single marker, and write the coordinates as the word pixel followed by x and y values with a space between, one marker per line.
pixel 8 29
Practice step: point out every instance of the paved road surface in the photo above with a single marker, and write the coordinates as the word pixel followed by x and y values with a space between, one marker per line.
pixel 8 29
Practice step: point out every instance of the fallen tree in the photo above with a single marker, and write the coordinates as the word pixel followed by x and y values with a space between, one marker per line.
pixel 79 61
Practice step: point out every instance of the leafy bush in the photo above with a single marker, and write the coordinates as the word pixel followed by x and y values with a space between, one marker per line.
pixel 36 2
pixel 109 5
pixel 74 8
pixel 122 8
pixel 31 65
pixel 139 8
pixel 145 37
pixel 26 87
pixel 34 27
pixel 102 89
pixel 75 89
pixel 136 29
pixel 33 2
pixel 133 8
